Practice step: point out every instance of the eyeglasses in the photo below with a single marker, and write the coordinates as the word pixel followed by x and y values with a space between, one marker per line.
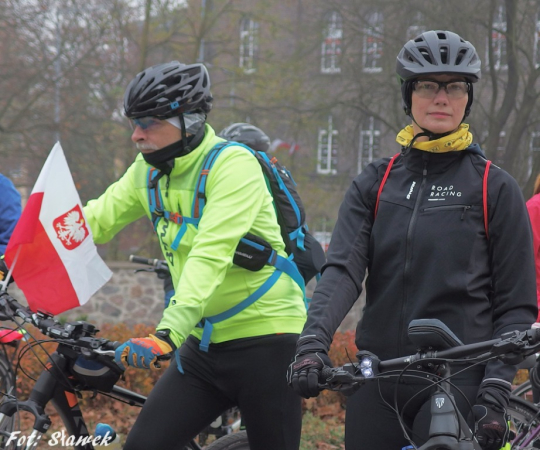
pixel 430 88
pixel 144 122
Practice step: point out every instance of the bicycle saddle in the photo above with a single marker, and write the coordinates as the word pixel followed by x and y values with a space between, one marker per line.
pixel 432 334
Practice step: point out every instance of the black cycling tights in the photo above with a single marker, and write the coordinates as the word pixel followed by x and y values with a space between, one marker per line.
pixel 372 424
pixel 249 373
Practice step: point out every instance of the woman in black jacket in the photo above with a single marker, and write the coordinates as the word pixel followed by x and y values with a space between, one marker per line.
pixel 435 244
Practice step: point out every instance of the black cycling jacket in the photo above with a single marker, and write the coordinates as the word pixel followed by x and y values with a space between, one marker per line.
pixel 427 256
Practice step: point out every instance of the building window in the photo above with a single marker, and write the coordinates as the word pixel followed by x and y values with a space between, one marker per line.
pixel 498 37
pixel 370 139
pixel 373 44
pixel 327 149
pixel 249 42
pixel 537 41
pixel 417 28
pixel 534 148
pixel 331 45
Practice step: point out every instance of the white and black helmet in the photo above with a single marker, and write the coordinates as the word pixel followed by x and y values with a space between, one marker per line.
pixel 437 52
pixel 168 90
pixel 247 134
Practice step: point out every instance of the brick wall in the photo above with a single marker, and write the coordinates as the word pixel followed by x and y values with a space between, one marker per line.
pixel 138 298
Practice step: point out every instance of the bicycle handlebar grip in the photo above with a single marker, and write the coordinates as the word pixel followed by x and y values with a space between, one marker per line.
pixel 141 260
pixel 111 345
pixel 326 372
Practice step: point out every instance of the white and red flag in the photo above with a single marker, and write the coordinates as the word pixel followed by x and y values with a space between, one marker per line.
pixel 278 144
pixel 51 252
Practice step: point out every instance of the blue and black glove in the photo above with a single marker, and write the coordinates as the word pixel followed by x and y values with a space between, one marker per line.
pixel 144 352
pixel 489 414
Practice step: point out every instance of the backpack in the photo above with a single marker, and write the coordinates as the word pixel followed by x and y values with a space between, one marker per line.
pixel 484 188
pixel 306 255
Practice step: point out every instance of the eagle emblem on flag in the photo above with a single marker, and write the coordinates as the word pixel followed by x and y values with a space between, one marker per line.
pixel 71 228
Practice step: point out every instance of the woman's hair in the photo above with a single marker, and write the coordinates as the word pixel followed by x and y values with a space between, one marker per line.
pixel 536 189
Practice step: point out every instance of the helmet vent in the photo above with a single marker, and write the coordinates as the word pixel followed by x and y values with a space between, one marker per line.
pixel 426 54
pixel 444 55
pixel 461 55
pixel 442 36
pixel 438 52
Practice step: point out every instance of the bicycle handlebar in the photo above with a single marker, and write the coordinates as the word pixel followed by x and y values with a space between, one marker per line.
pixel 509 346
pixel 145 261
pixel 79 335
pixel 159 266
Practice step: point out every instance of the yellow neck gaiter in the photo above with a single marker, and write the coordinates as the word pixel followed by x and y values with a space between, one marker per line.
pixel 459 140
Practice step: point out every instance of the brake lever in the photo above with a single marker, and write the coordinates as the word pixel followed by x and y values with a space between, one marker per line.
pixel 157 364
pixel 146 269
pixel 339 379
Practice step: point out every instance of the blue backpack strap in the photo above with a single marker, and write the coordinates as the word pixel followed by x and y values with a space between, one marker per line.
pixel 155 202
pixel 210 321
pixel 299 235
pixel 282 265
pixel 288 266
pixel 199 199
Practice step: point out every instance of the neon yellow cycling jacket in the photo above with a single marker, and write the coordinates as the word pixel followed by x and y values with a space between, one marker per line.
pixel 205 279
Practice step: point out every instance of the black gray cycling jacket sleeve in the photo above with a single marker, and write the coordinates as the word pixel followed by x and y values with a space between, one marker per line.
pixel 427 256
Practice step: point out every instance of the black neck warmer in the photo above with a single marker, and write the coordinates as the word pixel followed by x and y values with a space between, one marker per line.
pixel 163 159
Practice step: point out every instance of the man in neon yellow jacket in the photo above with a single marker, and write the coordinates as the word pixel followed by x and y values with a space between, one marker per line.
pixel 223 358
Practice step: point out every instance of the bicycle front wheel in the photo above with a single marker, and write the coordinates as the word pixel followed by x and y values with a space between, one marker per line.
pixel 524 390
pixel 524 421
pixel 235 441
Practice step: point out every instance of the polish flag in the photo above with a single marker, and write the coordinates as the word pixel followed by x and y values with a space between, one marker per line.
pixel 51 252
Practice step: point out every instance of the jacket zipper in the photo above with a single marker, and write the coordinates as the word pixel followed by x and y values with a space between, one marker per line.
pixel 408 244
pixel 465 208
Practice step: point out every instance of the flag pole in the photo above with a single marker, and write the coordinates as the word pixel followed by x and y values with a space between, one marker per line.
pixel 5 281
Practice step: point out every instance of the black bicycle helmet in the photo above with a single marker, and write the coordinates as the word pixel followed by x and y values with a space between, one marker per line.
pixel 436 52
pixel 248 134
pixel 168 90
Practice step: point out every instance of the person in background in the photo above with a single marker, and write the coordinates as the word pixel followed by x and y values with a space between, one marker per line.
pixel 247 134
pixel 430 253
pixel 10 212
pixel 237 360
pixel 533 207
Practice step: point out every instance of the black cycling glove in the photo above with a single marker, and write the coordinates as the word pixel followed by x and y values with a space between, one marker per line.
pixel 489 414
pixel 304 372
pixel 491 425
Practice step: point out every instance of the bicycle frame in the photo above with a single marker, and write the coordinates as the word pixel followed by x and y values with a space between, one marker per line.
pixel 59 384
pixel 49 388
pixel 448 429
pixel 438 347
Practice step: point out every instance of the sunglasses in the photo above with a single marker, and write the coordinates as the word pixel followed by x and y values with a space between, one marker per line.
pixel 144 123
pixel 430 88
